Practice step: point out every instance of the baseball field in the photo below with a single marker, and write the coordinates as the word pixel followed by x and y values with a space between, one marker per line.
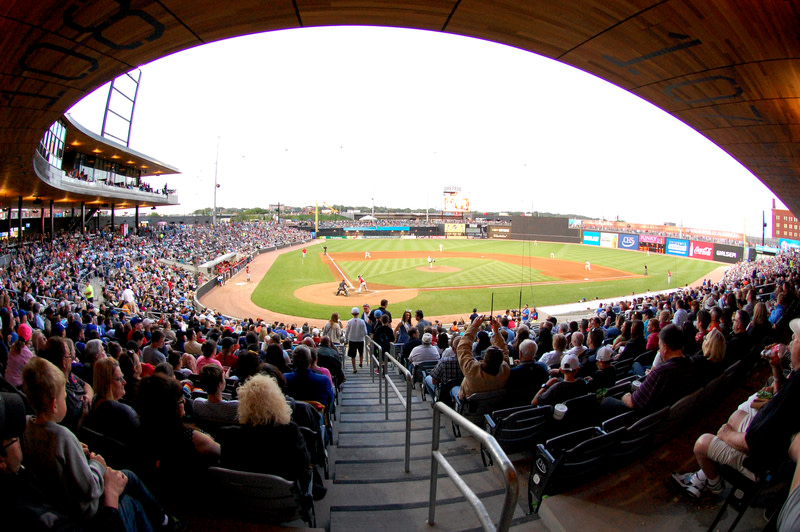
pixel 487 274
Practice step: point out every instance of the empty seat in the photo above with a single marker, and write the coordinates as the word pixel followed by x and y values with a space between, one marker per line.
pixel 261 497
pixel 569 460
pixel 678 414
pixel 636 438
pixel 517 429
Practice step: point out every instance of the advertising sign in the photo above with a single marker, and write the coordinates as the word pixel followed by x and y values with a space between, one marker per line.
pixel 628 241
pixel 654 244
pixel 591 238
pixel 786 244
pixel 677 247
pixel 499 231
pixel 701 250
pixel 729 254
pixel 650 239
pixel 608 240
pixel 454 229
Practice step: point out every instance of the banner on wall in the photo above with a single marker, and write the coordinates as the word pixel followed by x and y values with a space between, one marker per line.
pixel 654 244
pixel 729 254
pixel 454 229
pixel 785 244
pixel 591 238
pixel 677 247
pixel 608 240
pixel 701 250
pixel 626 241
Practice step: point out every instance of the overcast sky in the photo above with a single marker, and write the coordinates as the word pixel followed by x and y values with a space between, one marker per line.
pixel 343 115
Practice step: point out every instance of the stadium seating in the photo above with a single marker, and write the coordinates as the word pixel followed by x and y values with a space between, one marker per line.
pixel 262 498
pixel 477 405
pixel 568 460
pixel 517 429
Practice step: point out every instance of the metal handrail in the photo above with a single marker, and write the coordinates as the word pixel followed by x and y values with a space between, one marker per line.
pixel 387 380
pixel 500 458
pixel 374 362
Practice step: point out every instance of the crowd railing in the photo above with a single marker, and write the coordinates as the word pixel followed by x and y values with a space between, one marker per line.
pixel 497 454
pixel 405 401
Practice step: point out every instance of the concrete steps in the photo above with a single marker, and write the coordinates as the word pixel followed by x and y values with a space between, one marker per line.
pixel 369 488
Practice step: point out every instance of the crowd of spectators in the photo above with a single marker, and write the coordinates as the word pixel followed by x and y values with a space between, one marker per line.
pixel 402 222
pixel 135 374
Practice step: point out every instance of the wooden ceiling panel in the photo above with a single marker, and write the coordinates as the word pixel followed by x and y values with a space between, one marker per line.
pixel 537 26
pixel 420 14
pixel 242 17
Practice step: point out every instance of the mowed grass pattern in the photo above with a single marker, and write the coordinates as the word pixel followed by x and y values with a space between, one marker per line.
pixel 473 272
pixel 290 272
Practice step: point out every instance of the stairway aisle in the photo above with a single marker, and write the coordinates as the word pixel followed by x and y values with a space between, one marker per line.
pixel 369 489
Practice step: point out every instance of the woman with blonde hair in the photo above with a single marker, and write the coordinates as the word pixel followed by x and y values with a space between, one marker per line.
pixel 267 441
pixel 710 362
pixel 333 329
pixel 107 415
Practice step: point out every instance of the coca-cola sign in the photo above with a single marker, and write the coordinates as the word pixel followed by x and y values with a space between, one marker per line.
pixel 701 250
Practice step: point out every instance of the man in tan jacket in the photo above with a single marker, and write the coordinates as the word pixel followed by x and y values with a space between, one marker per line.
pixel 487 375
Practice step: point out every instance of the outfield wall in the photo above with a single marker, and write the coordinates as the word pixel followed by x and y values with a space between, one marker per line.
pixel 379 231
pixel 559 230
pixel 549 229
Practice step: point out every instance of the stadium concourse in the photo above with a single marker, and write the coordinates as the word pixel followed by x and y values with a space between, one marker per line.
pixel 115 317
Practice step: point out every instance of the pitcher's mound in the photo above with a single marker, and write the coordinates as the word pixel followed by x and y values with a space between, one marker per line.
pixel 438 269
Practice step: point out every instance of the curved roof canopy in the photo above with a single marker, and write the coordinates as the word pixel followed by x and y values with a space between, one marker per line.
pixel 730 69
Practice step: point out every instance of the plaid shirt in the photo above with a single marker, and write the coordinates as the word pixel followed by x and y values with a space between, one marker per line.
pixel 447 369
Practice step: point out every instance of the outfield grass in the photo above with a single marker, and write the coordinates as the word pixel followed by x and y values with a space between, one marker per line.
pixel 290 272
